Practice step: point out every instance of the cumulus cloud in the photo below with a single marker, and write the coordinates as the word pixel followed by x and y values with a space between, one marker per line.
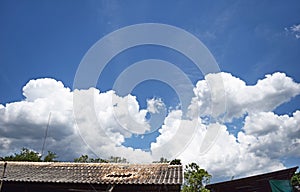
pixel 258 146
pixel 90 120
pixel 271 135
pixel 227 157
pixel 155 105
pixel 175 135
pixel 265 95
pixel 23 123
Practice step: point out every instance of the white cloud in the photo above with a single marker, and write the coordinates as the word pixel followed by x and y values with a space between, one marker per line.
pixel 271 135
pixel 260 144
pixel 175 135
pixel 23 123
pixel 227 157
pixel 44 88
pixel 155 105
pixel 105 120
pixel 295 29
pixel 265 95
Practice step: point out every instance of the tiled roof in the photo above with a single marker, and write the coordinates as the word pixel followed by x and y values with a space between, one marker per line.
pixel 93 173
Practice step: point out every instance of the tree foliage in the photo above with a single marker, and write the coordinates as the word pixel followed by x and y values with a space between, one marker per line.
pixel 87 159
pixel 30 155
pixel 82 159
pixel 50 157
pixel 296 179
pixel 24 155
pixel 98 160
pixel 112 159
pixel 175 162
pixel 195 178
pixel 162 160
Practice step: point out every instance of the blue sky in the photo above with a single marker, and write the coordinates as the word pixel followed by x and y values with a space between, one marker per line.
pixel 49 38
pixel 248 39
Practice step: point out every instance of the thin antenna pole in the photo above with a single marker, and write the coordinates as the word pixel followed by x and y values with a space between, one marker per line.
pixel 46 133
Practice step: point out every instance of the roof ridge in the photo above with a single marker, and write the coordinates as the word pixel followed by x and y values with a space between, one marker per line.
pixel 80 163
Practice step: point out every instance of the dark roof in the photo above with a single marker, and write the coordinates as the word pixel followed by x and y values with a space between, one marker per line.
pixel 258 183
pixel 93 173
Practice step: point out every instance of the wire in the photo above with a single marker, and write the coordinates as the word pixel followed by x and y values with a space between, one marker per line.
pixel 46 133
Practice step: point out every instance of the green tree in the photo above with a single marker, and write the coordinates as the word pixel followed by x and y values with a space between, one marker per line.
pixel 162 160
pixel 296 179
pixel 24 155
pixel 30 155
pixel 98 160
pixel 82 159
pixel 86 159
pixel 175 162
pixel 195 178
pixel 113 159
pixel 50 157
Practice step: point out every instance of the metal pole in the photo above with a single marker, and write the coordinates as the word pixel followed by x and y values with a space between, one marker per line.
pixel 3 175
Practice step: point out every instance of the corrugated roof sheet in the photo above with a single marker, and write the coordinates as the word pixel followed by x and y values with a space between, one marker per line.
pixel 94 173
pixel 258 183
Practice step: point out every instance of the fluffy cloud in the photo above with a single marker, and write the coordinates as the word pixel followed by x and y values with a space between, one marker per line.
pixel 259 145
pixel 23 123
pixel 155 105
pixel 227 157
pixel 175 136
pixel 86 121
pixel 265 95
pixel 271 135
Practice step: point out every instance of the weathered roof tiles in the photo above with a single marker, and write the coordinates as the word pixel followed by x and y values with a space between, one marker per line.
pixel 94 173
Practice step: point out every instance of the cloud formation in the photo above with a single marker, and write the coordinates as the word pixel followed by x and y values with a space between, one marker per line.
pixel 91 121
pixel 23 123
pixel 265 95
pixel 155 105
pixel 259 146
pixel 295 30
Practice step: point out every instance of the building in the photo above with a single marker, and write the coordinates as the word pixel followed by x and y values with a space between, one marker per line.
pixel 268 182
pixel 84 177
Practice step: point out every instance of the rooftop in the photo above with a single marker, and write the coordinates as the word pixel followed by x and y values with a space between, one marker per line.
pixel 92 173
pixel 258 183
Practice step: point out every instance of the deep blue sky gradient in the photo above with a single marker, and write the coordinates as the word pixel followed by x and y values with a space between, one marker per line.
pixel 49 38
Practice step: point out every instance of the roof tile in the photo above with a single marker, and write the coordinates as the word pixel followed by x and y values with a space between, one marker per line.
pixel 100 173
